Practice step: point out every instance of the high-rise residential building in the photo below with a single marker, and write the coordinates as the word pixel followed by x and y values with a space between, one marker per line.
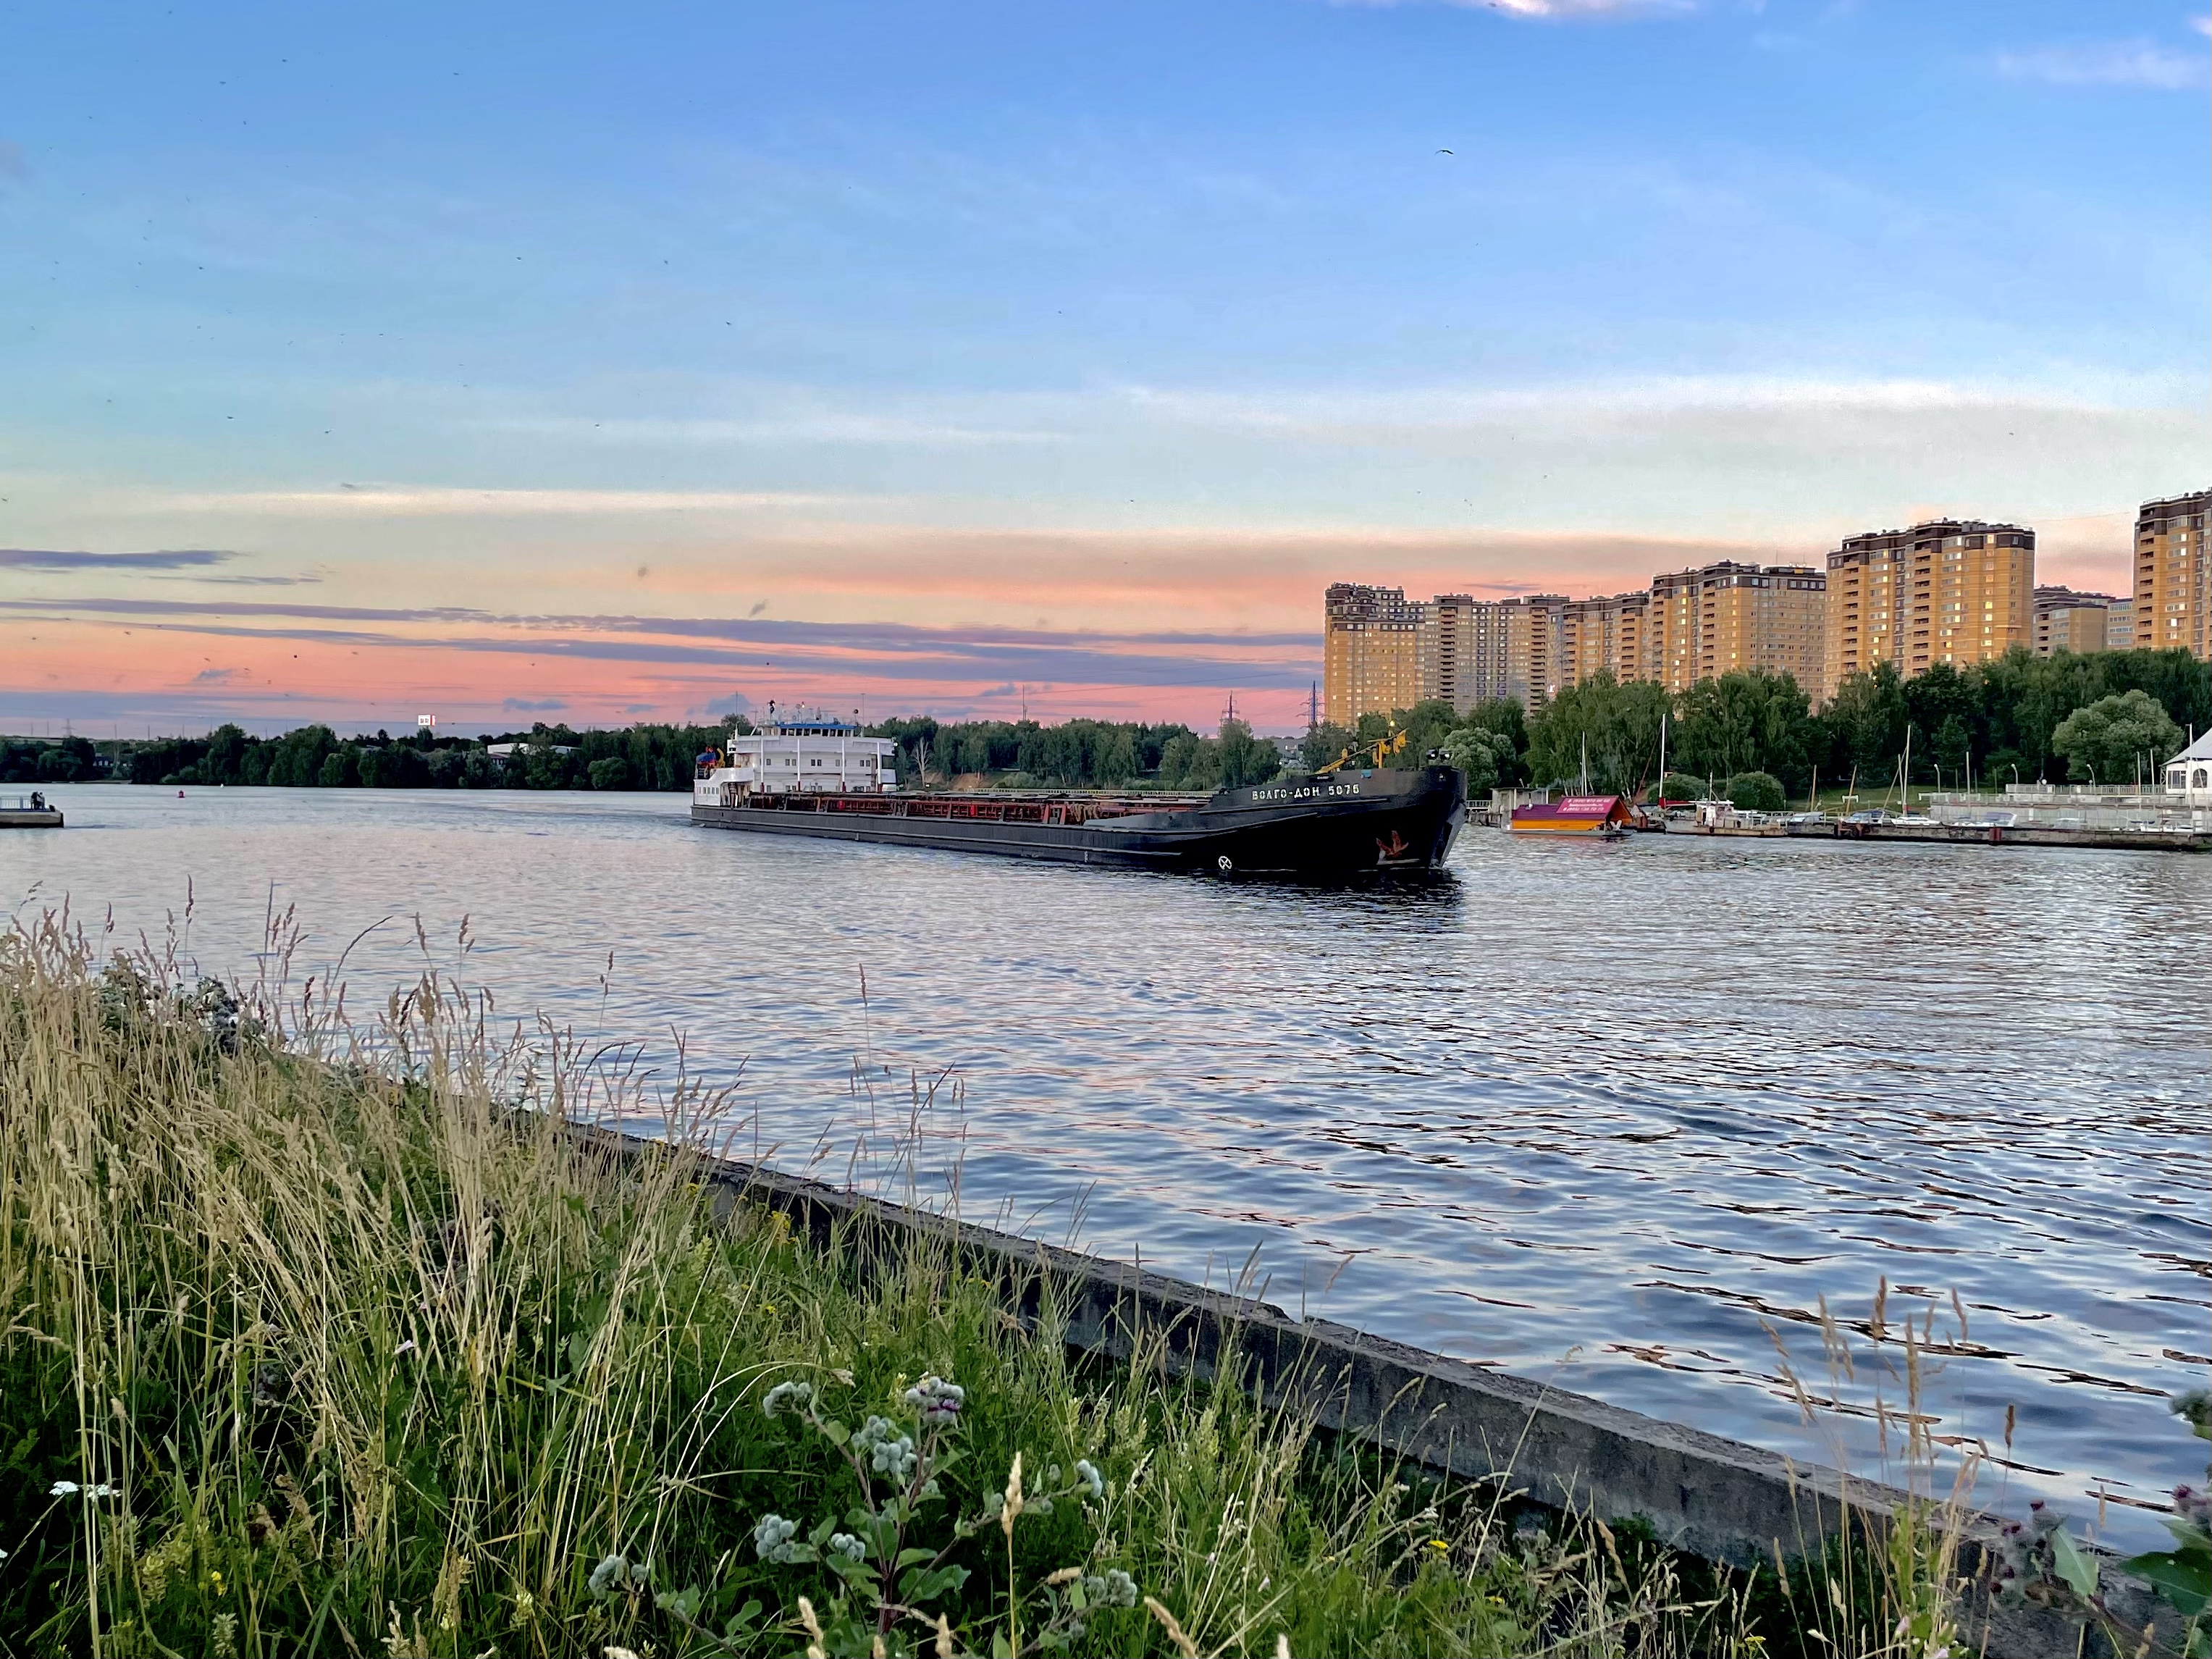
pixel 1472 651
pixel 1951 590
pixel 2173 604
pixel 1604 636
pixel 1730 617
pixel 1460 657
pixel 2120 624
pixel 2067 621
pixel 1370 652
pixel 1534 653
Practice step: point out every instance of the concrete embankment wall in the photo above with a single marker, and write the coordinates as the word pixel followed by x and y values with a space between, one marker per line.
pixel 1714 1498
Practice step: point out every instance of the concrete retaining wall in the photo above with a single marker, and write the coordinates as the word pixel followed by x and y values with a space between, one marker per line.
pixel 1714 1498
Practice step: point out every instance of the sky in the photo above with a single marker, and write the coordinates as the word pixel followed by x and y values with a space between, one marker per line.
pixel 606 363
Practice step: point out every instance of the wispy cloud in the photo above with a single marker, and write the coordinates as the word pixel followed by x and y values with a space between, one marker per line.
pixel 214 676
pixel 533 705
pixel 859 651
pixel 34 558
pixel 2111 63
pixel 373 500
pixel 827 428
pixel 1550 8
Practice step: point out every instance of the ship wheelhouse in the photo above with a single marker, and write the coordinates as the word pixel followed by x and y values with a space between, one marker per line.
pixel 797 756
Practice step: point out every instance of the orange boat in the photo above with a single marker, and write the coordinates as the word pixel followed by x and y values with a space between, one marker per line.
pixel 1603 815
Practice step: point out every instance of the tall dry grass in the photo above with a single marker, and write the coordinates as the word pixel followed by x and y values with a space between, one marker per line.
pixel 347 1344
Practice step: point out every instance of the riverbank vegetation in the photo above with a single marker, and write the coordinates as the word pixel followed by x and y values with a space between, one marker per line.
pixel 2107 717
pixel 1074 754
pixel 325 1339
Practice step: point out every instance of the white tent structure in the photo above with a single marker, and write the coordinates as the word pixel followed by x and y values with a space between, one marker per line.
pixel 2189 773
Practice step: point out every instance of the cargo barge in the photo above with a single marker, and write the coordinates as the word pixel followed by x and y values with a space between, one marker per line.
pixel 821 778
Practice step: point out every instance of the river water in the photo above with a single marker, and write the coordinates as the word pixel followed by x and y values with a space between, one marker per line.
pixel 1618 1116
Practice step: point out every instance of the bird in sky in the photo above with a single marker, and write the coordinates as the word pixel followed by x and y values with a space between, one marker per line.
pixel 1444 152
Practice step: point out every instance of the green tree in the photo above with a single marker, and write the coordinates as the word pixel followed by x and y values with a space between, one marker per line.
pixel 610 772
pixel 1322 744
pixel 1756 792
pixel 1680 786
pixel 225 760
pixel 2117 740
pixel 340 767
pixel 1865 721
pixel 1616 726
pixel 1245 759
pixel 1748 720
pixel 1485 756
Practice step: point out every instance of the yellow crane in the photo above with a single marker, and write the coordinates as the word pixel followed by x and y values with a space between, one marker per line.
pixel 1382 748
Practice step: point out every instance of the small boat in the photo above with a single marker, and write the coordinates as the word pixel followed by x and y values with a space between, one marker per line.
pixel 1602 817
pixel 823 778
pixel 1721 818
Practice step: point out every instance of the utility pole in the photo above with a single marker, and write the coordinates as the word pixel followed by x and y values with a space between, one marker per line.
pixel 1313 706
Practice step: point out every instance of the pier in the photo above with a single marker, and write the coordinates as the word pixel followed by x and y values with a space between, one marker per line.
pixel 28 812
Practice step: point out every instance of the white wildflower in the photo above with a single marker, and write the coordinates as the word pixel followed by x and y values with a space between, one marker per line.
pixel 845 1544
pixel 772 1538
pixel 791 1397
pixel 1115 1589
pixel 63 1489
pixel 888 1452
pixel 611 1575
pixel 406 1348
pixel 1087 1474
pixel 936 1400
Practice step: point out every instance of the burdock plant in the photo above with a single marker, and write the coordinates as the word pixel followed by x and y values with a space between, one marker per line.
pixel 889 1556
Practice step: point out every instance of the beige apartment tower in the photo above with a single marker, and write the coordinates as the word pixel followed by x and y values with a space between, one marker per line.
pixel 2067 621
pixel 1730 616
pixel 2173 602
pixel 1956 591
pixel 1604 636
pixel 1461 656
pixel 1370 652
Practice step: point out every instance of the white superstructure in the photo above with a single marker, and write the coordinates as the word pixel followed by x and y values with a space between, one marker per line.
pixel 797 756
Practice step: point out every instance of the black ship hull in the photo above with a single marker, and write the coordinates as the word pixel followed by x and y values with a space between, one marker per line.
pixel 1328 826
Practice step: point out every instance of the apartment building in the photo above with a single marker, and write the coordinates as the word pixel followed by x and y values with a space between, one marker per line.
pixel 1732 615
pixel 1604 636
pixel 2067 621
pixel 1535 647
pixel 1958 591
pixel 1369 651
pixel 2173 604
pixel 2120 623
pixel 1459 656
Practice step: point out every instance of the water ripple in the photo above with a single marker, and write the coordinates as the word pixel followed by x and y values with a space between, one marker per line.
pixel 1626 1117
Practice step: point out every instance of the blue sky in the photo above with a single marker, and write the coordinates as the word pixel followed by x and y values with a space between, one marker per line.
pixel 1112 330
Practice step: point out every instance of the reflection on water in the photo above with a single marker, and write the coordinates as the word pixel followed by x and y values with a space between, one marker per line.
pixel 1610 1114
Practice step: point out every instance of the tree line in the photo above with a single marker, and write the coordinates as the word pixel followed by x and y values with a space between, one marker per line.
pixel 1018 754
pixel 2106 717
pixel 1081 754
pixel 544 757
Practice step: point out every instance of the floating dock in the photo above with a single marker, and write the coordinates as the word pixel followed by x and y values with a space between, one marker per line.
pixel 2013 834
